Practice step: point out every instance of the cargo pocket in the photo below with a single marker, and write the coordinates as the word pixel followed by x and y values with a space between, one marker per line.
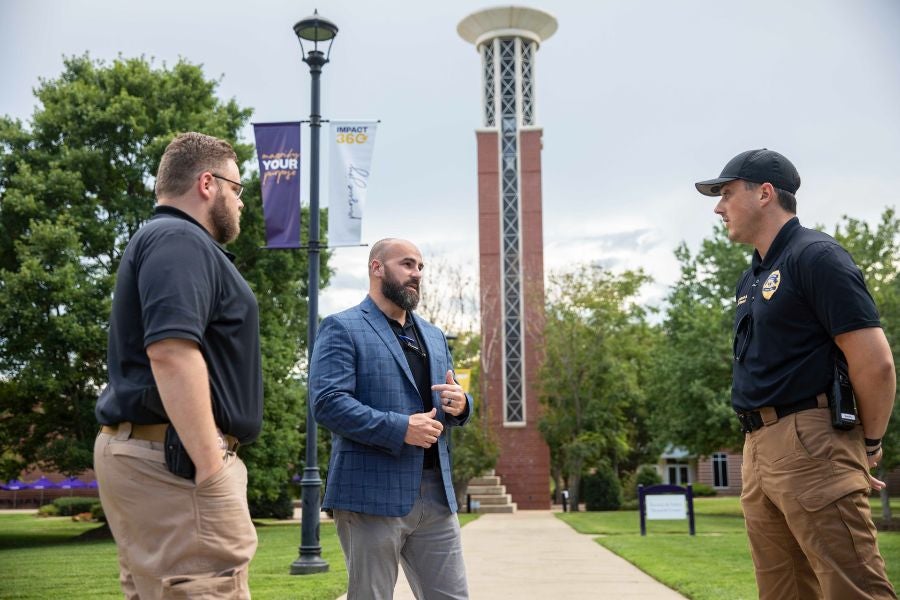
pixel 200 587
pixel 827 492
pixel 850 520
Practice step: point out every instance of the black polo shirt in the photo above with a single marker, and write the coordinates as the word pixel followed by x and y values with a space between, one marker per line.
pixel 789 307
pixel 417 357
pixel 175 281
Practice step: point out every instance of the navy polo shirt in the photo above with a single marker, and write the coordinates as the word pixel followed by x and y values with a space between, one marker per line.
pixel 176 281
pixel 789 307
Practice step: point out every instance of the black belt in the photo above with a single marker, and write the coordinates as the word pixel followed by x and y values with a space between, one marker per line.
pixel 753 420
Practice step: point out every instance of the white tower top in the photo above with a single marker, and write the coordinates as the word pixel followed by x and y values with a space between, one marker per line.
pixel 507 21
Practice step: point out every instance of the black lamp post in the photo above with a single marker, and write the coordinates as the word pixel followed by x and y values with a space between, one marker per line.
pixel 313 29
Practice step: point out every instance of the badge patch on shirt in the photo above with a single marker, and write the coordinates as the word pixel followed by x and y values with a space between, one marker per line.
pixel 742 299
pixel 771 285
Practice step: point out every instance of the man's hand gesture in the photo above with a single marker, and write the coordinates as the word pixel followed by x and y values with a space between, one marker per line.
pixel 423 430
pixel 453 398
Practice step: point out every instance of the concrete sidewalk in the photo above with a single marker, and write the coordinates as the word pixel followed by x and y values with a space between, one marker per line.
pixel 534 555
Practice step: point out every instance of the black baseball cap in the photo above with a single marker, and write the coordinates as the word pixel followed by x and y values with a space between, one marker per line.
pixel 758 166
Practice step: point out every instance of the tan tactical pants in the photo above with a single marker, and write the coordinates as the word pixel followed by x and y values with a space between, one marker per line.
pixel 805 501
pixel 175 539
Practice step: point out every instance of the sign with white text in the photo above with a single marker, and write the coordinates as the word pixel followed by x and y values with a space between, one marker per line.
pixel 666 507
pixel 666 502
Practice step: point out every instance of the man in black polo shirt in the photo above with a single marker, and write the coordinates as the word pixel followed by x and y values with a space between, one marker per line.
pixel 185 387
pixel 381 380
pixel 800 306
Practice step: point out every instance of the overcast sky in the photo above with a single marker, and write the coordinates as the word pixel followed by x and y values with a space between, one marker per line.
pixel 638 99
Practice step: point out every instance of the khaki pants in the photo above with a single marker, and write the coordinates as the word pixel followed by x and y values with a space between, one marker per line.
pixel 805 501
pixel 175 539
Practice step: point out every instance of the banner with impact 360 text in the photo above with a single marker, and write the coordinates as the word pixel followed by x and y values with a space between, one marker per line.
pixel 352 143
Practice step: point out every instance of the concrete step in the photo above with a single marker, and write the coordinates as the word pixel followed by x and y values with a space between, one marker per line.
pixel 497 508
pixel 493 499
pixel 485 480
pixel 486 490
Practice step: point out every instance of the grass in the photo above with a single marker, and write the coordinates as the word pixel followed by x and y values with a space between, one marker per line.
pixel 40 558
pixel 713 564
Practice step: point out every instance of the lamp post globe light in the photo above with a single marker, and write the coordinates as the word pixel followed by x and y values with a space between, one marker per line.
pixel 313 29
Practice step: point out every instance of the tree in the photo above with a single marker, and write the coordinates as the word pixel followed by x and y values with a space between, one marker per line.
pixel 691 386
pixel 597 345
pixel 877 252
pixel 75 186
pixel 449 296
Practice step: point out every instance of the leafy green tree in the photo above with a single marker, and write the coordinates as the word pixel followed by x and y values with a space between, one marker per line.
pixel 691 385
pixel 877 252
pixel 74 187
pixel 597 345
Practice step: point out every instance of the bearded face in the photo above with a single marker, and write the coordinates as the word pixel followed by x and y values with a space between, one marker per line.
pixel 226 221
pixel 404 294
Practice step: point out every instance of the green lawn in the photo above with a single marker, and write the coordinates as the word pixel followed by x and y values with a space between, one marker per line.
pixel 40 558
pixel 712 565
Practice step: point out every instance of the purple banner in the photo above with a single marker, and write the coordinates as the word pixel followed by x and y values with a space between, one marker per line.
pixel 278 149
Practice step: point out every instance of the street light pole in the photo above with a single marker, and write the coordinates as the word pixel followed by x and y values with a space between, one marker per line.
pixel 314 29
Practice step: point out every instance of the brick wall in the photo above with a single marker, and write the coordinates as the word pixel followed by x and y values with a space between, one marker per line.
pixel 705 473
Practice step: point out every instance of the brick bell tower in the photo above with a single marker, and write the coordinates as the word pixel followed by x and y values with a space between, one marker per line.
pixel 511 245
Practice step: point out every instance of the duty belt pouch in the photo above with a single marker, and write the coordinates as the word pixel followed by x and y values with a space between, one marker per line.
pixel 840 399
pixel 177 459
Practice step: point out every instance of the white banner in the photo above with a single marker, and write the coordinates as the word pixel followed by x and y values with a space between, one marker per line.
pixel 352 143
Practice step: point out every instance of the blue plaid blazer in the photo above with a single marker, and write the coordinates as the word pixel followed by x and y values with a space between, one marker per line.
pixel 361 388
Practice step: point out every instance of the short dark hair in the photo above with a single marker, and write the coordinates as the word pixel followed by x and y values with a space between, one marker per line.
pixel 786 200
pixel 186 157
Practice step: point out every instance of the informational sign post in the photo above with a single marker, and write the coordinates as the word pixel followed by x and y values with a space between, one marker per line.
pixel 666 502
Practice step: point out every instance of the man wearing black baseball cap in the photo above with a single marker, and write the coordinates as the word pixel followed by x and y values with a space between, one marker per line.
pixel 802 308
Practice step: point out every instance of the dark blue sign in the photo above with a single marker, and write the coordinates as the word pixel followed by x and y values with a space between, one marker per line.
pixel 665 509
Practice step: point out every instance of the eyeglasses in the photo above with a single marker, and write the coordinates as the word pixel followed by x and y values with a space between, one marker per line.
pixel 237 183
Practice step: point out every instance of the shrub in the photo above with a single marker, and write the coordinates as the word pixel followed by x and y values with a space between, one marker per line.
pixel 280 508
pixel 701 489
pixel 602 490
pixel 631 504
pixel 645 476
pixel 74 505
pixel 48 510
pixel 97 513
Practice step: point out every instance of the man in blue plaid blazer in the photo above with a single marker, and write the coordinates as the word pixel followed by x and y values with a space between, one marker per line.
pixel 381 379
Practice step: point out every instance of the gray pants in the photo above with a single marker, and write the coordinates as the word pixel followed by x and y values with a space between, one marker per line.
pixel 426 542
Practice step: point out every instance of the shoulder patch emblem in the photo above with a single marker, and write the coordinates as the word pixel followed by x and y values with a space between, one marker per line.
pixel 742 299
pixel 771 285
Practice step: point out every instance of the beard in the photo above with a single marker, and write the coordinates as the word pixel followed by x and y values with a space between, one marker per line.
pixel 398 293
pixel 226 224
